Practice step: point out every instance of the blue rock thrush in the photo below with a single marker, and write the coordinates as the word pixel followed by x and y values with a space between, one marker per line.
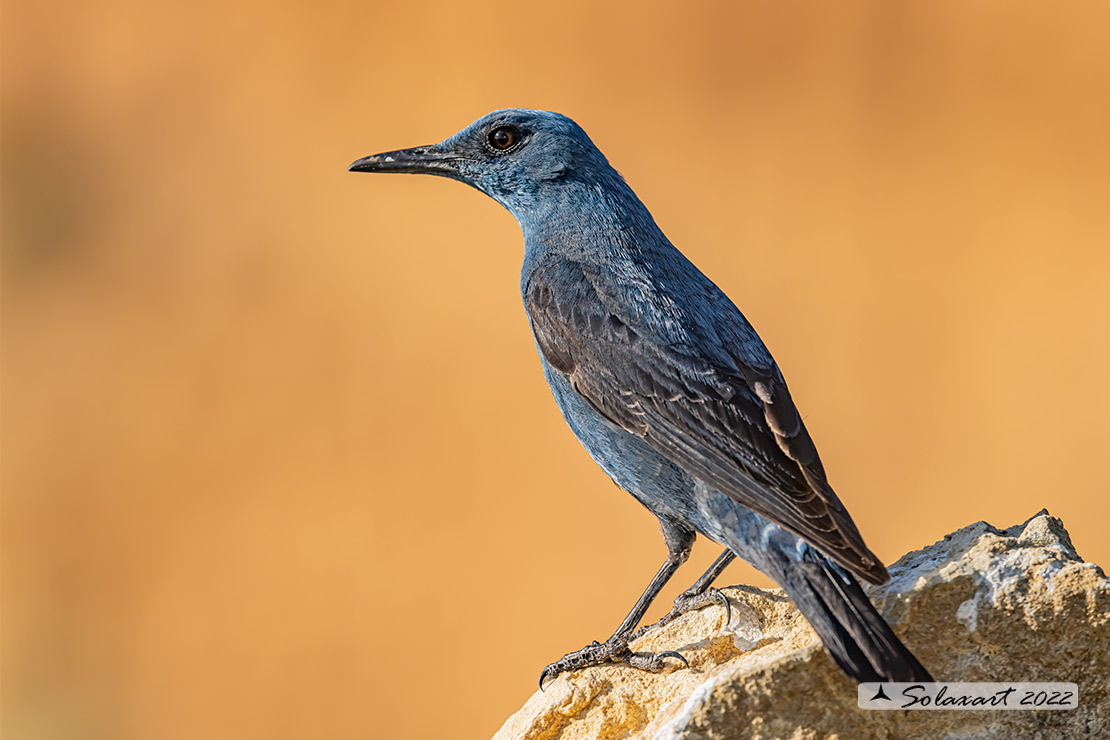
pixel 668 387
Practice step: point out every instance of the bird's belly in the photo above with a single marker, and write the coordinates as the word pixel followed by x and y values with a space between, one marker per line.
pixel 664 488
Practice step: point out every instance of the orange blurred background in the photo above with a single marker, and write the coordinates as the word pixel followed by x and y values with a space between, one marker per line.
pixel 278 460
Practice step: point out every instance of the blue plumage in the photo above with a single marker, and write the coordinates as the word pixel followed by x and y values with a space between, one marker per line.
pixel 666 385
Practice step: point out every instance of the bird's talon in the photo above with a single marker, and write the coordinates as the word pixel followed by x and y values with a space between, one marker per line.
pixel 727 605
pixel 673 654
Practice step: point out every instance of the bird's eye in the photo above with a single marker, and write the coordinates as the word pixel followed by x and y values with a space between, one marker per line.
pixel 503 137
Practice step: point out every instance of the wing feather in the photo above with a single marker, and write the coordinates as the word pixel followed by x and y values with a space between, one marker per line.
pixel 727 421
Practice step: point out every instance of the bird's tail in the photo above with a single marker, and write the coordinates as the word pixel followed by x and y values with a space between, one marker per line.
pixel 857 638
pixel 834 604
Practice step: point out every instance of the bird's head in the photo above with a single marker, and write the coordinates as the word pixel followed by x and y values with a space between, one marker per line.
pixel 518 157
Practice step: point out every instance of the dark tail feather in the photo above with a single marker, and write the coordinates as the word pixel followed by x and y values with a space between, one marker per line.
pixel 857 638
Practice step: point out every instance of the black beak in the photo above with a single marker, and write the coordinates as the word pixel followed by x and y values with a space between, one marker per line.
pixel 420 160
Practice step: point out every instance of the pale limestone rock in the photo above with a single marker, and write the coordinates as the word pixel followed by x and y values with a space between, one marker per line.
pixel 980 605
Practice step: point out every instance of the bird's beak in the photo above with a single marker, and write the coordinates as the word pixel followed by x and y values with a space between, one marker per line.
pixel 420 160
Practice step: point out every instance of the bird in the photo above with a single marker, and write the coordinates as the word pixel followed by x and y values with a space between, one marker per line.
pixel 669 389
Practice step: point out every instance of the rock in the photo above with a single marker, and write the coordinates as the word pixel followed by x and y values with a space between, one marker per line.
pixel 980 605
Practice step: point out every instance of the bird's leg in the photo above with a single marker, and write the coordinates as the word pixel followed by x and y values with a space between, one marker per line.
pixel 701 594
pixel 615 650
pixel 698 596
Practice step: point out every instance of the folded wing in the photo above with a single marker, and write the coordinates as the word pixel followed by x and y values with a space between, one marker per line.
pixel 727 421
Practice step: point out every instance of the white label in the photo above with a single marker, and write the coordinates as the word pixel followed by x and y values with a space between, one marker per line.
pixel 968 696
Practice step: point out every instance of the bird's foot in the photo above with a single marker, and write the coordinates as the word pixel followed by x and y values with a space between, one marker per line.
pixel 689 601
pixel 613 650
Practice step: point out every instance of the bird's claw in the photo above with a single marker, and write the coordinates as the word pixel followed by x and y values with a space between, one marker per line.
pixel 724 602
pixel 687 602
pixel 673 654
pixel 614 650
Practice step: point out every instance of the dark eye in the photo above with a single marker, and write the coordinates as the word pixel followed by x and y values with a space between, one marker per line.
pixel 503 137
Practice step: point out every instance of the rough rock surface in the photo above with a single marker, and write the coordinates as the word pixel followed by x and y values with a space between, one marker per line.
pixel 980 605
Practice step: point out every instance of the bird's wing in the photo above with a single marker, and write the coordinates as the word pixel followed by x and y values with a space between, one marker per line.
pixel 730 423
